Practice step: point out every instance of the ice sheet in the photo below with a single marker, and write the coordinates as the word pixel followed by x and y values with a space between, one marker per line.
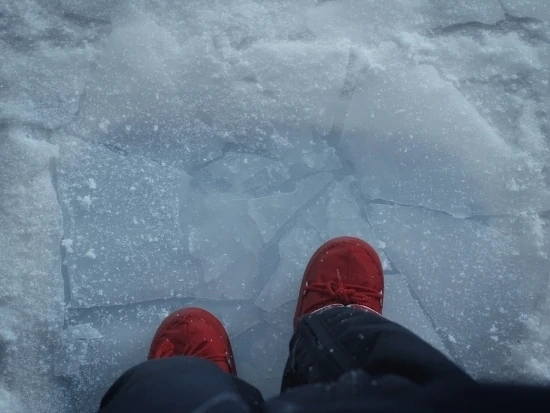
pixel 465 11
pixel 403 308
pixel 121 238
pixel 466 274
pixel 536 9
pixel 359 23
pixel 271 212
pixel 45 62
pixel 295 250
pixel 166 92
pixel 429 153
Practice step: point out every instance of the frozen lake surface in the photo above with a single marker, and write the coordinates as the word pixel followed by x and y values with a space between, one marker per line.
pixel 156 154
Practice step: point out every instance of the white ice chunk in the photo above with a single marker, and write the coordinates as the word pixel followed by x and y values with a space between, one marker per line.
pixel 507 62
pixel 134 99
pixel 125 245
pixel 414 139
pixel 467 275
pixel 157 80
pixel 271 212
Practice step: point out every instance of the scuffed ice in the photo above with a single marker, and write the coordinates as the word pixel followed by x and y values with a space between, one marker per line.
pixel 121 224
pixel 429 153
pixel 45 61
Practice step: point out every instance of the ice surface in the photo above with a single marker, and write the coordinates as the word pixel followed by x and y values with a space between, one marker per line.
pixel 535 9
pixel 121 232
pixel 265 349
pixel 166 92
pixel 155 155
pixel 504 77
pixel 465 11
pixel 219 239
pixel 243 173
pixel 429 154
pixel 338 214
pixel 272 212
pixel 98 11
pixel 467 276
pixel 45 61
pixel 359 23
pixel 295 251
pixel 400 306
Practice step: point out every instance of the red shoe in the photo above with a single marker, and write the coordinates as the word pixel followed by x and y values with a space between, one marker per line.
pixel 344 271
pixel 194 332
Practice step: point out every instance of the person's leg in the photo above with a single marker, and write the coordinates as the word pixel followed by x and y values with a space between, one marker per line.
pixel 392 371
pixel 353 360
pixel 339 327
pixel 190 368
pixel 332 342
pixel 177 385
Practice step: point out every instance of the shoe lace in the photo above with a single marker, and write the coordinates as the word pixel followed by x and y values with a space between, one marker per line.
pixel 343 293
pixel 166 349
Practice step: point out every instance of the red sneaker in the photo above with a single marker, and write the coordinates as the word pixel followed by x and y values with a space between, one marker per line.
pixel 193 332
pixel 344 271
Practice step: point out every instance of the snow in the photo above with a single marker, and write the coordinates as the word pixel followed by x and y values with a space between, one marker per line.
pixel 31 300
pixel 155 155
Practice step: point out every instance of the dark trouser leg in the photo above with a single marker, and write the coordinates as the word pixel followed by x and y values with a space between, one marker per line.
pixel 338 340
pixel 178 385
pixel 346 360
